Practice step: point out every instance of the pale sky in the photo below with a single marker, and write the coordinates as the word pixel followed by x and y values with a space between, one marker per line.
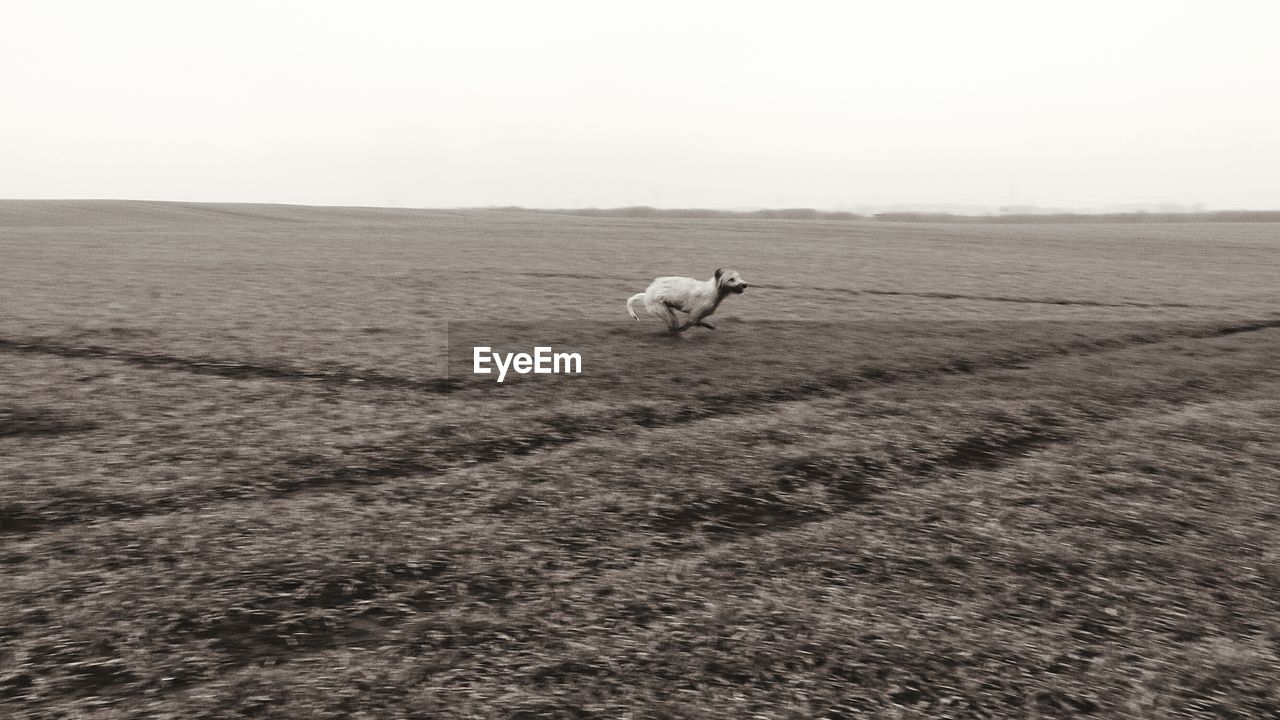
pixel 682 104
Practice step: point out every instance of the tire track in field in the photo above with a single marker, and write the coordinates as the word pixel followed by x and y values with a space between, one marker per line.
pixel 28 422
pixel 812 289
pixel 276 628
pixel 985 298
pixel 369 464
pixel 850 481
pixel 227 368
pixel 235 369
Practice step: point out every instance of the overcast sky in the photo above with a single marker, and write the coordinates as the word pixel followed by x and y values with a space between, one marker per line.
pixel 711 104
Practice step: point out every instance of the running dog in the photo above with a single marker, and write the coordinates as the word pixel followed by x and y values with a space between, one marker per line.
pixel 697 298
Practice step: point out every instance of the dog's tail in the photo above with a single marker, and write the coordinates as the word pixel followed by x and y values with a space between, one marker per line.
pixel 631 301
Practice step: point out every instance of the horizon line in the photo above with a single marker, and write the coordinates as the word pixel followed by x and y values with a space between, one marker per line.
pixel 863 209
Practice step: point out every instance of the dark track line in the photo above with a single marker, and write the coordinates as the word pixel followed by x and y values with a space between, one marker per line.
pixel 985 298
pixel 367 465
pixel 255 631
pixel 26 422
pixel 222 367
pixel 891 293
pixel 269 628
pixel 227 368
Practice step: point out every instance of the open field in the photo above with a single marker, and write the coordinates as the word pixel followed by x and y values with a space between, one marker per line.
pixel 921 470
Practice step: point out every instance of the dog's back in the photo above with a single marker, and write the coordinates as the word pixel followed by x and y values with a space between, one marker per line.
pixel 681 293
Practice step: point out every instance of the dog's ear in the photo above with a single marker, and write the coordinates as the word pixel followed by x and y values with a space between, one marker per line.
pixel 719 272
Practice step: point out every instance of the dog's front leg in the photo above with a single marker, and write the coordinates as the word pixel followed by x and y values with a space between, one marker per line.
pixel 695 318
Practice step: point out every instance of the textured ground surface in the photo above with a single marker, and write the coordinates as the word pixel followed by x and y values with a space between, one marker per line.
pixel 920 470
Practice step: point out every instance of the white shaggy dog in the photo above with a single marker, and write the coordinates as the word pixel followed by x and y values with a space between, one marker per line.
pixel 698 298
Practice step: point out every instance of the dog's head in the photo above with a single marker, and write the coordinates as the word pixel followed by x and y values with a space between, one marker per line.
pixel 730 281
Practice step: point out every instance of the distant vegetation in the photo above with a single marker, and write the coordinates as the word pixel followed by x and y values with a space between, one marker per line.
pixel 643 211
pixel 1125 217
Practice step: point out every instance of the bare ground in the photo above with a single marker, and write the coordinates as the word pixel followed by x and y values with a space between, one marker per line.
pixel 973 471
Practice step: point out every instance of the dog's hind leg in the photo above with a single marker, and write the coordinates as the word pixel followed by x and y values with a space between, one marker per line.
pixel 668 315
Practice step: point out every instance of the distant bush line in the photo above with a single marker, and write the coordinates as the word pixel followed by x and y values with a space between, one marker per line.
pixel 811 214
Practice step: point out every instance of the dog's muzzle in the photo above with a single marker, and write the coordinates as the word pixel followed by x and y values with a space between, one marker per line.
pixel 740 289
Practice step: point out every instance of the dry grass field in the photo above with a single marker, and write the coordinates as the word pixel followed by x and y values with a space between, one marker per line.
pixel 920 470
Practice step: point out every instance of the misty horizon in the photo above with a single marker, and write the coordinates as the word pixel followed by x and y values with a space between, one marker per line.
pixel 569 105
